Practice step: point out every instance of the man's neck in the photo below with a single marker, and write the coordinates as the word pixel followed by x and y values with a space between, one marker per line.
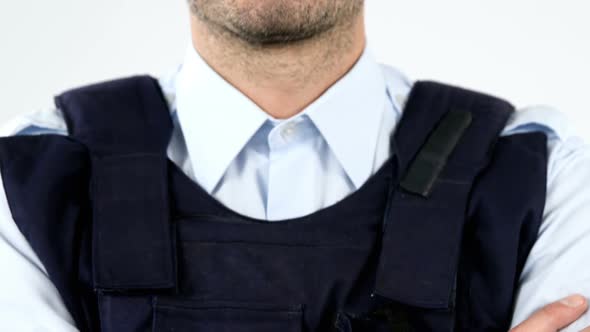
pixel 281 79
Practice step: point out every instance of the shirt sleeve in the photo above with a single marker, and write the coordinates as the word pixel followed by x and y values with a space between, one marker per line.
pixel 28 299
pixel 558 264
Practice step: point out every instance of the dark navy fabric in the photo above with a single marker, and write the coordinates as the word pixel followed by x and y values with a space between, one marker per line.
pixel 46 180
pixel 414 224
pixel 128 183
pixel 133 244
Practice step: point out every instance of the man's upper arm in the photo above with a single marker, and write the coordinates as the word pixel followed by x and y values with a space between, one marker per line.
pixel 28 299
pixel 559 263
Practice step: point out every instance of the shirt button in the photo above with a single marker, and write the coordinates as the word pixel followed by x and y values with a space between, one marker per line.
pixel 288 131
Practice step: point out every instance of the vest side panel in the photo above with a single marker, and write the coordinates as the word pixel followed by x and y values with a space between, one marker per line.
pixel 46 183
pixel 504 216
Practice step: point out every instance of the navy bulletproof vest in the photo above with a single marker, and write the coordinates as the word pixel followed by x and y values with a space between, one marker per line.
pixel 434 241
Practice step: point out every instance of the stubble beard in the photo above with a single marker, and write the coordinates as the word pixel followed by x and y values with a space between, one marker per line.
pixel 275 22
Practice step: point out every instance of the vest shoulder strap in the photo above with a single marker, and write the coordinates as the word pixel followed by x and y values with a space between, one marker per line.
pixel 443 141
pixel 126 126
pixel 118 117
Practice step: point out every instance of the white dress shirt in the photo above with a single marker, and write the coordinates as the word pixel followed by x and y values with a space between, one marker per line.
pixel 274 169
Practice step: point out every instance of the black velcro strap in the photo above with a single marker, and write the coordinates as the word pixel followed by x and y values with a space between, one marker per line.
pixel 132 246
pixel 433 156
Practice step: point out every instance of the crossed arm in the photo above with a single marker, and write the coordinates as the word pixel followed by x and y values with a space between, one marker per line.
pixel 556 316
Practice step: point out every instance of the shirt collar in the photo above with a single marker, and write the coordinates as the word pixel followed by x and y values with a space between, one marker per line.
pixel 348 115
pixel 217 120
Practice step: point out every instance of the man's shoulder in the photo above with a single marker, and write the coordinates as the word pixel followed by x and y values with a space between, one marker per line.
pixel 566 149
pixel 546 119
pixel 47 120
pixel 563 142
pixel 50 119
pixel 554 123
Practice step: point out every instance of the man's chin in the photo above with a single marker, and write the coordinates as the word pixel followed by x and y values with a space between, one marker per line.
pixel 275 37
pixel 276 22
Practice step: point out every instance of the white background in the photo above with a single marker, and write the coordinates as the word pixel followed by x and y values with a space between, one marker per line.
pixel 528 51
